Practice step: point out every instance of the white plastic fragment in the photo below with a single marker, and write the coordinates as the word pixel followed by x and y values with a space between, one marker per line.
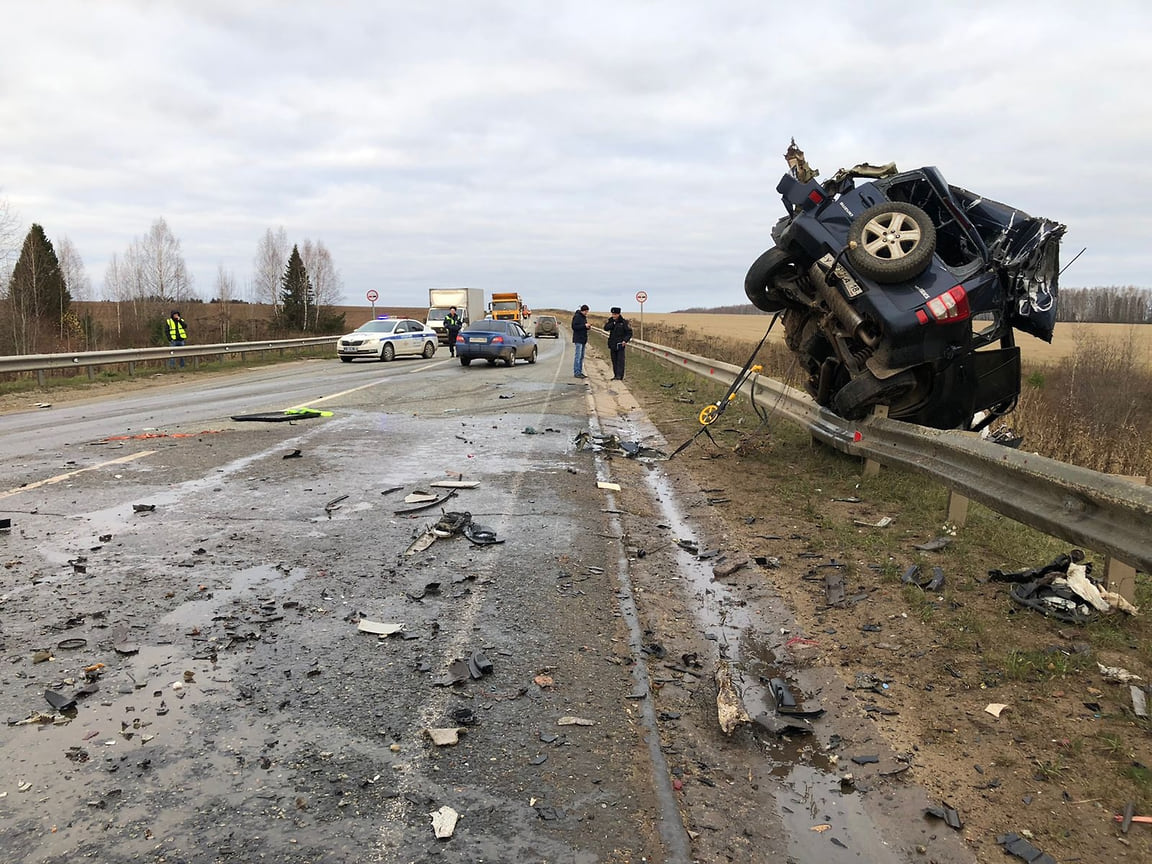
pixel 444 822
pixel 420 497
pixel 455 484
pixel 1118 674
pixel 380 628
pixel 1139 701
pixel 604 484
pixel 444 737
pixel 730 711
pixel 1077 580
pixel 574 721
pixel 883 522
pixel 995 709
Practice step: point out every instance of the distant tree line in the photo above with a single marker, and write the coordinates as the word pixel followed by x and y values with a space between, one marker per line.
pixel 1124 304
pixel 39 280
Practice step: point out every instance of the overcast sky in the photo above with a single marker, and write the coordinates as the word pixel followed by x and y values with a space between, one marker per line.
pixel 574 151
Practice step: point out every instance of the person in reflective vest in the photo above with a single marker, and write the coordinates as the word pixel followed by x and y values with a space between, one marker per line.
pixel 177 334
pixel 452 323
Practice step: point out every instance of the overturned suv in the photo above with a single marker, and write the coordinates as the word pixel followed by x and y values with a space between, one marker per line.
pixel 905 292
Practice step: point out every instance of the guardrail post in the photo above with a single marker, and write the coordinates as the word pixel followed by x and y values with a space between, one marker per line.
pixel 40 382
pixel 1121 577
pixel 131 369
pixel 91 372
pixel 195 362
pixel 871 466
pixel 957 508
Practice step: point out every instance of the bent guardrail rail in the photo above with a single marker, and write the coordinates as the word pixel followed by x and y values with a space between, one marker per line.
pixel 39 363
pixel 1102 512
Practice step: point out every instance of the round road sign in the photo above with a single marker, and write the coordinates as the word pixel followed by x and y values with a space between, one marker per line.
pixel 641 296
pixel 372 296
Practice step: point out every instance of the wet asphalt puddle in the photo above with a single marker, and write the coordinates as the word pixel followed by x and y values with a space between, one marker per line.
pixel 805 752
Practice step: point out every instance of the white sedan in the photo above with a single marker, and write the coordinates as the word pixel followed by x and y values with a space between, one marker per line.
pixel 385 338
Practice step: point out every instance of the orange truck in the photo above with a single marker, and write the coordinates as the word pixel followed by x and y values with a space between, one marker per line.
pixel 507 306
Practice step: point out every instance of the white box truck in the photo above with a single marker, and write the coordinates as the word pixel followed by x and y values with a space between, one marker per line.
pixel 469 303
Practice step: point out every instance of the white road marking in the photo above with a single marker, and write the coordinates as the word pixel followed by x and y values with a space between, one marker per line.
pixel 376 383
pixel 60 477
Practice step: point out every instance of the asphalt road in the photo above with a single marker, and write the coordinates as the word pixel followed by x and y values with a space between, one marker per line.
pixel 236 712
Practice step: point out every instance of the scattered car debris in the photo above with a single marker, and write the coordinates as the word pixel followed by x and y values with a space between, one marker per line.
pixel 1117 674
pixel 786 702
pixel 478 535
pixel 914 576
pixel 948 814
pixel 5 524
pixel 444 820
pixel 1139 701
pixel 284 416
pixel 420 497
pixel 933 545
pixel 379 628
pixel 425 539
pixel 604 484
pixel 883 522
pixel 334 504
pixel 444 737
pixel 834 587
pixel 455 484
pixel 416 508
pixel 730 709
pixel 59 701
pixel 614 444
pixel 295 454
pixel 866 760
pixel 429 589
pixel 769 561
pixel 574 721
pixel 726 567
pixel 1016 845
pixel 1063 589
pixel 71 644
pixel 995 709
pixel 143 508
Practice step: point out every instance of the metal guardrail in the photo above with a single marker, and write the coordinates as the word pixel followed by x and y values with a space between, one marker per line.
pixel 1102 512
pixel 40 363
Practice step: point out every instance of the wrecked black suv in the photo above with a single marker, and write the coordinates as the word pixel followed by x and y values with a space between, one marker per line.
pixel 905 291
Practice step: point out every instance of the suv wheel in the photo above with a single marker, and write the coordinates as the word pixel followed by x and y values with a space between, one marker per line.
pixel 894 242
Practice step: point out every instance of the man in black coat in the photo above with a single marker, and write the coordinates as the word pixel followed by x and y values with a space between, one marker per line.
pixel 619 334
pixel 579 340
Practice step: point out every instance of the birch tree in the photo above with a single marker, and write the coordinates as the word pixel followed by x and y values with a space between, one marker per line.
pixel 164 271
pixel 225 294
pixel 268 266
pixel 327 286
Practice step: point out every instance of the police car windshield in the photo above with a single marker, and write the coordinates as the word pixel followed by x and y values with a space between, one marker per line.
pixel 378 327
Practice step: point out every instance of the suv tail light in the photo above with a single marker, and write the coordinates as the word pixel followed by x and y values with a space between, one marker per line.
pixel 950 306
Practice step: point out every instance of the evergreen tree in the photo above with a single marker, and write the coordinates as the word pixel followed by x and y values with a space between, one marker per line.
pixel 37 292
pixel 295 293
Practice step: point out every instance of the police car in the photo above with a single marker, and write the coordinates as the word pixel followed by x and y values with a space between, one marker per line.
pixel 384 338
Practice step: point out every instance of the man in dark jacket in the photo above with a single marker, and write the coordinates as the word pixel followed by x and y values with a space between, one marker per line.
pixel 619 334
pixel 579 340
pixel 452 323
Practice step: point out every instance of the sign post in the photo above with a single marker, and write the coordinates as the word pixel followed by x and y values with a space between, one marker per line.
pixel 641 298
pixel 372 298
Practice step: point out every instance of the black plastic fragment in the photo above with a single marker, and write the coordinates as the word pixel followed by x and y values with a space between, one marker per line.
pixel 866 760
pixel 59 701
pixel 948 814
pixel 1016 845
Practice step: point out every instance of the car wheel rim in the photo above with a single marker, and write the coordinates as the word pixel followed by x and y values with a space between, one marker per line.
pixel 891 235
